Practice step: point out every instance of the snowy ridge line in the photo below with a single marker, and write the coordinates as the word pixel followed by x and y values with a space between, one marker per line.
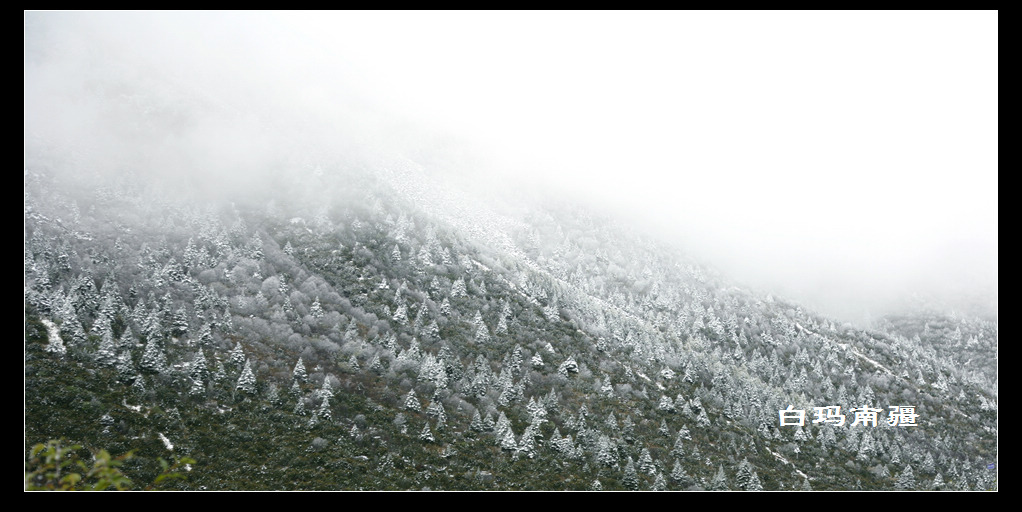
pixel 407 181
pixel 450 205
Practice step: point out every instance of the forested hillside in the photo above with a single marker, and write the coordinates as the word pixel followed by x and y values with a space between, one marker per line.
pixel 365 327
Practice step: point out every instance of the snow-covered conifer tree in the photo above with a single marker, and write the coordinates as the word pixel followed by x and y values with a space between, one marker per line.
pixel 458 289
pixel 237 357
pixel 646 462
pixel 746 477
pixel 631 476
pixel 247 381
pixel 426 434
pixel 606 452
pixel 719 482
pixel 412 402
pixel 659 483
pixel 324 409
pixel 153 358
pixel 316 310
pixel 906 480
pixel 482 335
pixel 299 374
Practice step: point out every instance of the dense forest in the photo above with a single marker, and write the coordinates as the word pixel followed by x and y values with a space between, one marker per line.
pixel 368 328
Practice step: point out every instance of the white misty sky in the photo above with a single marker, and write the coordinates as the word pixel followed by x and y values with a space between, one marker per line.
pixel 847 155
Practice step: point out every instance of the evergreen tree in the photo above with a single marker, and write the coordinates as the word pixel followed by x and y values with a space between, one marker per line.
pixel 299 375
pixel 106 355
pixel 199 369
pixel 326 391
pixel 659 484
pixel 401 315
pixel 247 381
pixel 928 465
pixel 537 361
pixel 477 422
pixel 719 482
pixel 507 440
pixel 153 359
pixel 433 331
pixel 316 310
pixel 746 477
pixel 646 462
pixel 221 373
pixel 679 448
pixel 679 476
pixel 458 290
pixel 866 447
pixel 411 402
pixel 205 335
pixel 501 428
pixel 273 395
pixel 482 334
pixel 631 477
pixel 237 357
pixel 702 419
pixel 666 404
pixel 375 365
pixel 906 480
pixel 527 445
pixel 664 429
pixel 125 370
pixel 569 366
pixel 54 343
pixel 324 409
pixel 435 410
pixel 628 429
pixel 179 324
pixel 138 386
pixel 197 389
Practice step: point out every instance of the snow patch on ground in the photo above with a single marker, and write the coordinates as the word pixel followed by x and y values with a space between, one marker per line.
pixel 166 442
pixel 786 461
pixel 53 332
pixel 878 365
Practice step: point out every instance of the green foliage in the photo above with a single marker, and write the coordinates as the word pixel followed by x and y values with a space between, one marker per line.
pixel 54 466
pixel 57 466
pixel 171 471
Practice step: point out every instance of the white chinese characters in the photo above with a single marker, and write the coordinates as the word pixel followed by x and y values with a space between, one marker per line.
pixel 790 416
pixel 898 416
